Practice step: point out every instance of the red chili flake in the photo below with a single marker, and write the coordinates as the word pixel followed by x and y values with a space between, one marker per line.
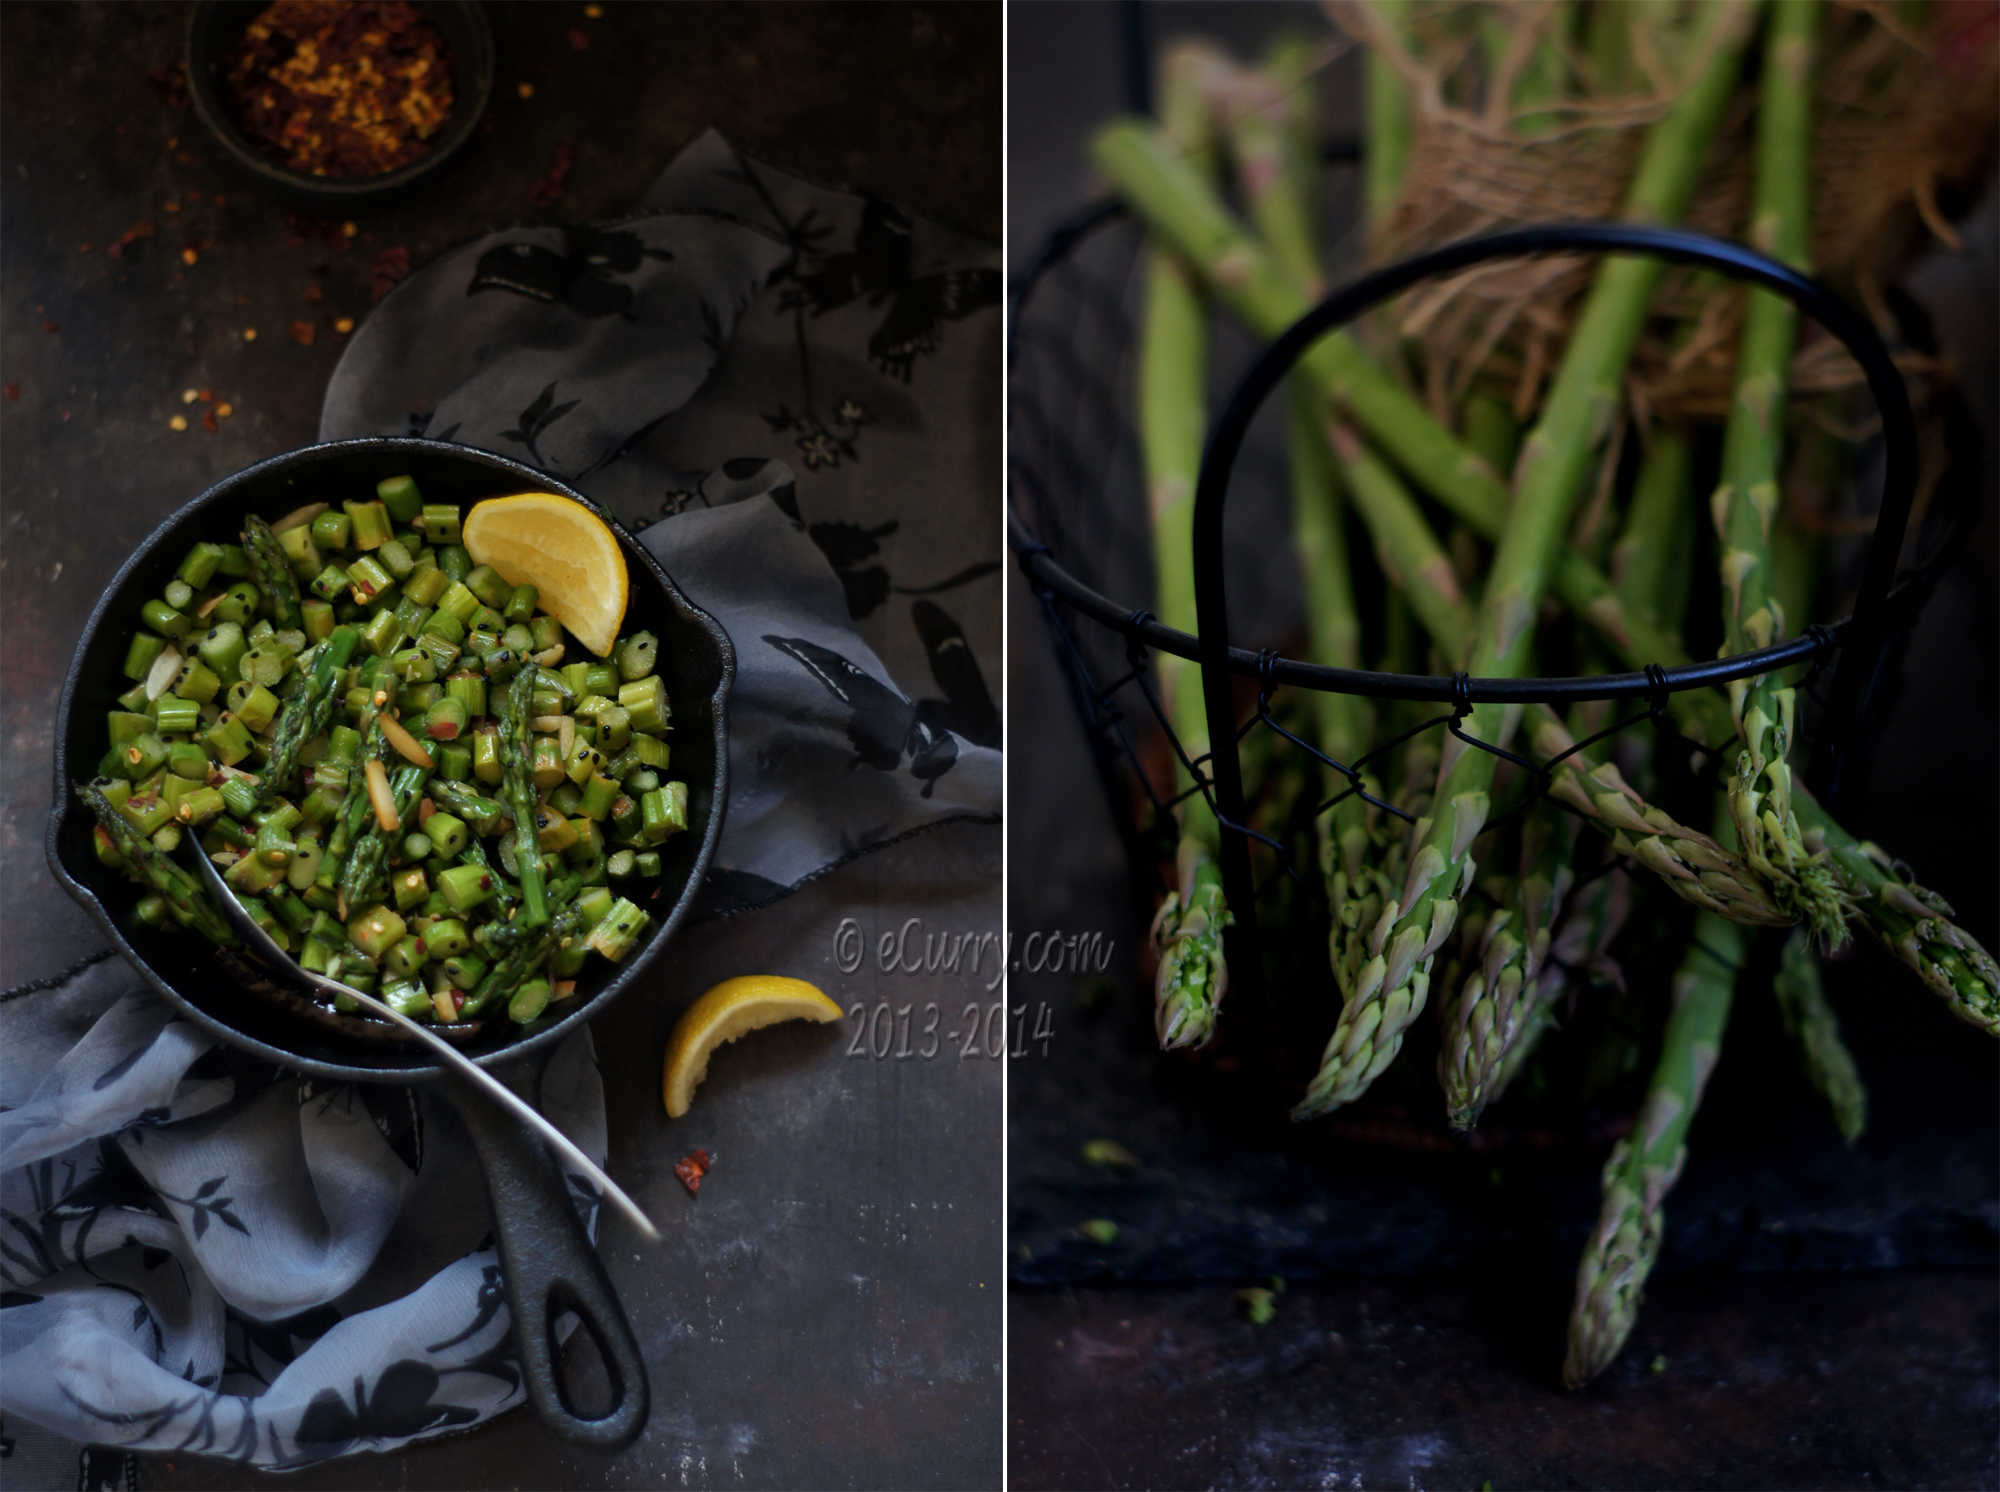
pixel 142 229
pixel 65 416
pixel 458 999
pixel 172 82
pixel 550 188
pixel 301 228
pixel 341 89
pixel 691 1169
pixel 170 207
pixel 486 883
pixel 207 396
pixel 50 328
pixel 181 157
pixel 314 294
pixel 579 39
pixel 208 422
pixel 83 248
pixel 391 267
pixel 13 393
pixel 303 333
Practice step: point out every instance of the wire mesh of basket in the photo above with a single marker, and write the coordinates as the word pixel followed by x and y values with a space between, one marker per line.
pixel 1079 527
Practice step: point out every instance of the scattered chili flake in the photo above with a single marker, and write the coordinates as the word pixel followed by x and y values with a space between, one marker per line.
pixel 50 328
pixel 550 188
pixel 579 39
pixel 348 230
pixel 525 90
pixel 249 333
pixel 65 416
pixel 172 82
pixel 302 333
pixel 691 1169
pixel 314 294
pixel 189 256
pixel 391 265
pixel 207 396
pixel 142 229
pixel 83 248
pixel 224 410
pixel 181 157
pixel 170 207
pixel 341 89
pixel 344 325
pixel 208 422
pixel 595 12
pixel 13 393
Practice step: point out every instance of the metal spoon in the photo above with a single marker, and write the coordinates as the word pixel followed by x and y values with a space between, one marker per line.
pixel 265 947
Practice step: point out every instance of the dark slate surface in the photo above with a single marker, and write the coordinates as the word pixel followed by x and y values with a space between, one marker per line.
pixel 829 1312
pixel 1487 1238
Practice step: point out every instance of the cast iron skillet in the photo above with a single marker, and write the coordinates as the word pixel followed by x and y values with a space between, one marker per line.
pixel 549 1264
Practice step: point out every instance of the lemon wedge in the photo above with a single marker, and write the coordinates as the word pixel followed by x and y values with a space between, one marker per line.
pixel 565 551
pixel 725 1013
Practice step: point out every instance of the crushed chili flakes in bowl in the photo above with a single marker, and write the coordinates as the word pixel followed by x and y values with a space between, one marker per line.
pixel 341 88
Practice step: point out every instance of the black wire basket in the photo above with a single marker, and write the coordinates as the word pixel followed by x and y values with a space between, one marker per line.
pixel 1079 529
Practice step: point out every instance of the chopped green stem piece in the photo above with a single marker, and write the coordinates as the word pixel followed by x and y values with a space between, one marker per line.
pixel 271 568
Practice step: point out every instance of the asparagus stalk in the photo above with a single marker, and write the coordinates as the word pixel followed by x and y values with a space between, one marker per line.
pixel 1173 356
pixel 1498 1002
pixel 1810 1021
pixel 185 897
pixel 1760 791
pixel 1592 919
pixel 1697 868
pixel 1180 206
pixel 1388 118
pixel 1913 923
pixel 1621 1252
pixel 307 712
pixel 516 755
pixel 1391 989
pixel 273 573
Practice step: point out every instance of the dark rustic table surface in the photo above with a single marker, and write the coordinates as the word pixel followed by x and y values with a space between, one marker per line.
pixel 1820 1318
pixel 829 1313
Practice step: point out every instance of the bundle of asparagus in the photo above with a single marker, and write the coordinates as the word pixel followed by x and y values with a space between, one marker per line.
pixel 1700 111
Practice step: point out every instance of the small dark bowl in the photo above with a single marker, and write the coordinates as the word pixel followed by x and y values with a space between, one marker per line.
pixel 695 659
pixel 217 25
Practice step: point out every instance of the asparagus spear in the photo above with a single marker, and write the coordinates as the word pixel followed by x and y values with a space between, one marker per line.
pixel 1696 867
pixel 1812 1024
pixel 1388 117
pixel 1913 923
pixel 1592 919
pixel 273 574
pixel 1366 889
pixel 1760 791
pixel 357 872
pixel 1611 1279
pixel 1554 461
pixel 519 786
pixel 185 896
pixel 1187 932
pixel 1497 1003
pixel 307 712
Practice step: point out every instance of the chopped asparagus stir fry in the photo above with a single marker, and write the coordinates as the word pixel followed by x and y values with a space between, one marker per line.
pixel 346 713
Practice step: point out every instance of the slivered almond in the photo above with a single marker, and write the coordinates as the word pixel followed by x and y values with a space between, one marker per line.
pixel 406 744
pixel 381 798
pixel 298 516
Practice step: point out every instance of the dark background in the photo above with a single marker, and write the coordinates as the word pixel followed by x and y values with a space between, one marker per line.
pixel 829 1314
pixel 1820 1317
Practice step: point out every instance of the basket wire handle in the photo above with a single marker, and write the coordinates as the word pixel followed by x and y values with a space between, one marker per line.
pixel 1863 637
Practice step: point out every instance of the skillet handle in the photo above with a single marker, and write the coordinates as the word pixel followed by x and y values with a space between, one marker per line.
pixel 550 1267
